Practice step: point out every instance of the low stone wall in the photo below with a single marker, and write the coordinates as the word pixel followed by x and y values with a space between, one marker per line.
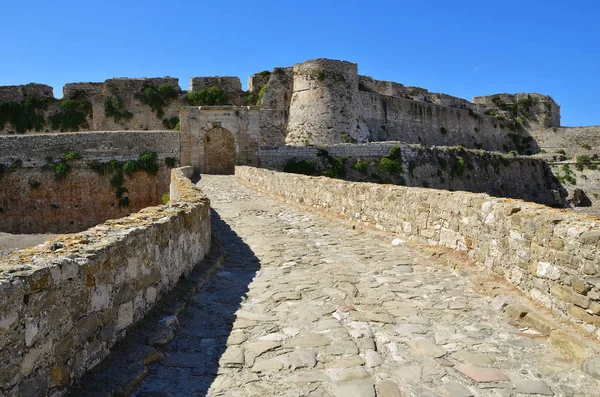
pixel 449 168
pixel 552 255
pixel 66 302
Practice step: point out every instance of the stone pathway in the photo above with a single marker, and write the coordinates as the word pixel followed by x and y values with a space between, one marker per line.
pixel 306 306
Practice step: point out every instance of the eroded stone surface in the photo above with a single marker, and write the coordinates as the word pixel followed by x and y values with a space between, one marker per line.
pixel 439 338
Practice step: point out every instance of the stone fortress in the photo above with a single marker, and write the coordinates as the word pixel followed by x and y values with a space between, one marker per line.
pixel 107 151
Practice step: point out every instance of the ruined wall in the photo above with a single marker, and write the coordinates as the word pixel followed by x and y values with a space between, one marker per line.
pixel 67 302
pixel 324 106
pixel 449 168
pixel 572 141
pixel 552 255
pixel 231 85
pixel 18 93
pixel 274 105
pixel 33 199
pixel 114 105
pixel 534 110
pixel 400 119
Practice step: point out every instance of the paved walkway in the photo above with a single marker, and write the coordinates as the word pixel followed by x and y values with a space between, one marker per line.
pixel 306 306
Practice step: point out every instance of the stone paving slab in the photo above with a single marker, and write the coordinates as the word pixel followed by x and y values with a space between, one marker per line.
pixel 306 306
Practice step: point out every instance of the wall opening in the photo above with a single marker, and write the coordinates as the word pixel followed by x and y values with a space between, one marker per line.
pixel 219 152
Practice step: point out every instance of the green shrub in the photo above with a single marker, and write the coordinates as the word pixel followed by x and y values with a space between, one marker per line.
pixel 116 111
pixel 211 96
pixel 443 130
pixel 264 73
pixel 251 100
pixel 24 116
pixel 147 162
pixel 585 161
pixel 158 97
pixel 171 124
pixel 336 167
pixel 261 94
pixel 129 167
pixel 72 156
pixel 458 166
pixel 165 198
pixel 392 161
pixel 305 167
pixel 117 180
pixel 73 115
pixel 170 162
pixel 361 166
pixel 61 169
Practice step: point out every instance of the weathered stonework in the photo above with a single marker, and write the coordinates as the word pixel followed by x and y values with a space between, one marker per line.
pixel 66 302
pixel 33 200
pixel 274 107
pixel 210 135
pixel 324 106
pixel 435 167
pixel 536 248
pixel 230 85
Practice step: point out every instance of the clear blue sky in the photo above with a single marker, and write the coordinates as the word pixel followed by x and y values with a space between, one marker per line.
pixel 462 48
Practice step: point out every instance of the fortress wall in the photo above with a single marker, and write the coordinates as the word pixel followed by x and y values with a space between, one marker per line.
pixel 65 303
pixel 101 145
pixel 551 255
pixel 407 120
pixel 275 103
pixel 324 104
pixel 33 200
pixel 572 140
pixel 436 167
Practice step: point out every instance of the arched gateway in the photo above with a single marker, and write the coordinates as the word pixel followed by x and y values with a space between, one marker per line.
pixel 216 138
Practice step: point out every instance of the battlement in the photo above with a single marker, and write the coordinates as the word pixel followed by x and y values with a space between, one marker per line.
pixel 319 101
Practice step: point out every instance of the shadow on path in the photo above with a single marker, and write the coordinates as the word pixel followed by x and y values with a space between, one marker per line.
pixel 188 364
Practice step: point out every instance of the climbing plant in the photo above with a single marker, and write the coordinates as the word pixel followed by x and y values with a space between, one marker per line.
pixel 24 116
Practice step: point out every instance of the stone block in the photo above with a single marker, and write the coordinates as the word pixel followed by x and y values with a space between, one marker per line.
pixel 568 295
pixel 580 314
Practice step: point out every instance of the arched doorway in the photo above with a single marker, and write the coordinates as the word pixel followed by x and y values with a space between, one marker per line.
pixel 219 152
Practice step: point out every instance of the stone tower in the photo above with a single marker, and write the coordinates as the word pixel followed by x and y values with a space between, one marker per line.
pixel 325 103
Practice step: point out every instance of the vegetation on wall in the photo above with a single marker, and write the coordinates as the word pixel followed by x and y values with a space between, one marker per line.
pixel 116 110
pixel 24 116
pixel 170 162
pixel 12 167
pixel 334 167
pixel 304 167
pixel 566 176
pixel 171 123
pixel 72 115
pixel 261 94
pixel 158 97
pixel 521 143
pixel 521 107
pixel 585 161
pixel 61 167
pixel 361 166
pixel 392 161
pixel 211 96
pixel 146 162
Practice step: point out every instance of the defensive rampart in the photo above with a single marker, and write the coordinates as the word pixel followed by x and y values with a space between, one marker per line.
pixel 450 168
pixel 552 255
pixel 66 302
pixel 61 183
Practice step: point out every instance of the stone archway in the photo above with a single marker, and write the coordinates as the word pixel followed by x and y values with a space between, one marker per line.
pixel 219 151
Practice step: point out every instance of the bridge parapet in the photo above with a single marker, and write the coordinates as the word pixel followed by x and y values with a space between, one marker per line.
pixel 65 303
pixel 552 255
